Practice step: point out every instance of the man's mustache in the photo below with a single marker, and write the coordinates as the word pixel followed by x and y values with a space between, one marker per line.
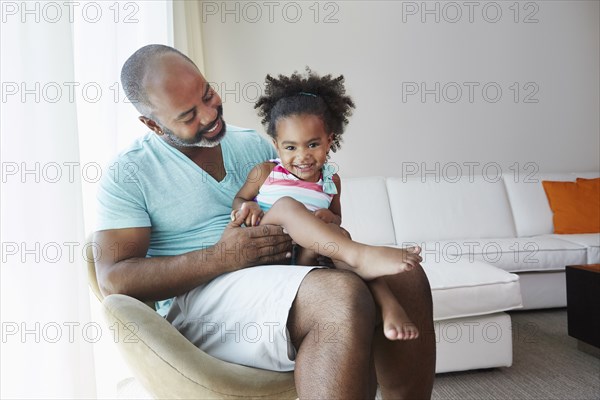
pixel 212 125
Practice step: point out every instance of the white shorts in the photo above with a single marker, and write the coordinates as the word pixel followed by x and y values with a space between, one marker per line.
pixel 241 317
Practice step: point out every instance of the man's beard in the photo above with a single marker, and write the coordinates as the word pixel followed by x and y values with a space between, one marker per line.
pixel 199 140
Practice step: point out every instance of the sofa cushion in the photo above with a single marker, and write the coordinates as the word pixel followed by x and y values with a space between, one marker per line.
pixel 465 289
pixel 528 201
pixel 366 210
pixel 591 241
pixel 575 205
pixel 434 209
pixel 539 253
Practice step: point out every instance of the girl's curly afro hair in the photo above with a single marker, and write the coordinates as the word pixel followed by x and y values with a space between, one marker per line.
pixel 323 96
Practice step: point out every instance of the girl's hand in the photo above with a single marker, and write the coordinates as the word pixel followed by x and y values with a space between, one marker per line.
pixel 327 216
pixel 254 213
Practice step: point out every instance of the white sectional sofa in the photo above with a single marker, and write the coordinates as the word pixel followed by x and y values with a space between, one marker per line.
pixel 488 247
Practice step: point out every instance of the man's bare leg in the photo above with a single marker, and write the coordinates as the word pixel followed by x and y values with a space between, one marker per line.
pixel 396 323
pixel 372 378
pixel 406 369
pixel 331 325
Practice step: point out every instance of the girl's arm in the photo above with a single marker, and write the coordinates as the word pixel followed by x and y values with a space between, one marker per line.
pixel 248 192
pixel 334 213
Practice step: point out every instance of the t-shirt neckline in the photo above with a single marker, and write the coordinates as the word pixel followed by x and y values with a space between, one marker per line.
pixel 224 153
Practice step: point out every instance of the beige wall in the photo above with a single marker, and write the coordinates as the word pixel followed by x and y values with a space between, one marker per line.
pixel 543 56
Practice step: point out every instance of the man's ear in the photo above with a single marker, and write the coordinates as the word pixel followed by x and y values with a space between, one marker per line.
pixel 153 126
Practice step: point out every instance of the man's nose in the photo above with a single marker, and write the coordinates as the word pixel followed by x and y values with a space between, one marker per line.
pixel 208 115
pixel 209 112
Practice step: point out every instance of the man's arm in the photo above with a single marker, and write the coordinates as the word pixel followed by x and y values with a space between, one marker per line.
pixel 122 266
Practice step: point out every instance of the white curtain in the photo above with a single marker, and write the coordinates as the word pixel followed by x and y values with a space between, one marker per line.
pixel 187 30
pixel 63 117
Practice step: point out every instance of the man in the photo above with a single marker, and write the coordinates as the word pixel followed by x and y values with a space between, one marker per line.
pixel 164 232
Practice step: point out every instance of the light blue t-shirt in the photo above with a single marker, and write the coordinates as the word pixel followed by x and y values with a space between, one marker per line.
pixel 152 184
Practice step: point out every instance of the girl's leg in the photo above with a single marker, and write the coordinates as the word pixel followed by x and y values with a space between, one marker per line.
pixel 309 257
pixel 413 376
pixel 396 324
pixel 310 232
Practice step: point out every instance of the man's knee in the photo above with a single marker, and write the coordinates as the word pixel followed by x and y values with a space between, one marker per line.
pixel 332 304
pixel 421 281
pixel 414 292
pixel 354 295
pixel 341 295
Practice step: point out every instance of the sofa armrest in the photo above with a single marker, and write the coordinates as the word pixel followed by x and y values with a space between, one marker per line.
pixel 169 366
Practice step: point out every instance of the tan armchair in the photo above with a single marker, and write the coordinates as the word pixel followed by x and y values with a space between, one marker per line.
pixel 169 366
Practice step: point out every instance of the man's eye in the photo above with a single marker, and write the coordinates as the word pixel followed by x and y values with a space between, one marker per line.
pixel 192 117
pixel 209 95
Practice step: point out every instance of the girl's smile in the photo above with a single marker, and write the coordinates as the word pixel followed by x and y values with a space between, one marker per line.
pixel 303 144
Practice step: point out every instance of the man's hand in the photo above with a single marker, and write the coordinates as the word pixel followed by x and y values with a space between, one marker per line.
pixel 328 216
pixel 253 212
pixel 253 245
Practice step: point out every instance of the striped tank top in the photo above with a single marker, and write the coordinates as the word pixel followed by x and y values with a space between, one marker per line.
pixel 282 182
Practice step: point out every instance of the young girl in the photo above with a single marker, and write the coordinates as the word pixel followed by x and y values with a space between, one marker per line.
pixel 306 117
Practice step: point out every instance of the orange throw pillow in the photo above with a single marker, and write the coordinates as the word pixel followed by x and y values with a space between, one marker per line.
pixel 576 205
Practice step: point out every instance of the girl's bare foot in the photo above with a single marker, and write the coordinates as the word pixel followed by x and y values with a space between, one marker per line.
pixel 396 324
pixel 376 261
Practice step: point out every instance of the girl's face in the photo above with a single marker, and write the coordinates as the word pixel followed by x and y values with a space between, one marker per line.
pixel 302 144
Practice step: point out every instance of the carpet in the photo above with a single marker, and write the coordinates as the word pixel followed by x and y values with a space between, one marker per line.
pixel 546 365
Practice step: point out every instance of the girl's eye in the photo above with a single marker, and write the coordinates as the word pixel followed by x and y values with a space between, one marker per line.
pixel 289 148
pixel 313 145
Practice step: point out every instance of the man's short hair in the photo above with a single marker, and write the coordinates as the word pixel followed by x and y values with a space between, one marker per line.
pixel 134 70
